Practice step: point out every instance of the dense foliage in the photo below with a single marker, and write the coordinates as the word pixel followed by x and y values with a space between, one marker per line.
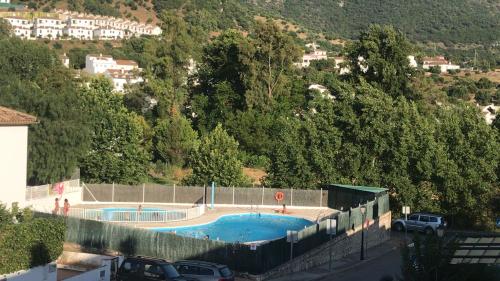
pixel 29 243
pixel 33 80
pixel 448 21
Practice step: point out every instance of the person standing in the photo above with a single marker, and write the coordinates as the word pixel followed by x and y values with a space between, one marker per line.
pixel 56 207
pixel 66 207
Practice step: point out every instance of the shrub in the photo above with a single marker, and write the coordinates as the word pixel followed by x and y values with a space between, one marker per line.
pixel 57 46
pixel 483 97
pixel 30 243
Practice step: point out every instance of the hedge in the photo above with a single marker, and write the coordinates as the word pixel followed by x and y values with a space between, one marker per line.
pixel 31 243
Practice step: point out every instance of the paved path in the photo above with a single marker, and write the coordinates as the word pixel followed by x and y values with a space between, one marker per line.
pixel 380 261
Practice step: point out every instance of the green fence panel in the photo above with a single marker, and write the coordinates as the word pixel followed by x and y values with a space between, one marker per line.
pixel 383 204
pixel 355 219
pixel 343 222
pixel 369 210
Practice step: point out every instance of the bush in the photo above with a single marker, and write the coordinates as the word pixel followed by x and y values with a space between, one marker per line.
pixel 30 243
pixel 485 83
pixel 57 46
pixel 483 97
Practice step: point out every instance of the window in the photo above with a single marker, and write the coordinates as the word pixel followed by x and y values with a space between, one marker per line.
pixel 413 218
pixel 153 271
pixel 187 269
pixel 170 270
pixel 130 266
pixel 433 219
pixel 206 271
pixel 424 218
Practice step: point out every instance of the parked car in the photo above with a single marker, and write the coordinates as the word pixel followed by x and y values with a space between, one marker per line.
pixel 204 271
pixel 425 222
pixel 149 269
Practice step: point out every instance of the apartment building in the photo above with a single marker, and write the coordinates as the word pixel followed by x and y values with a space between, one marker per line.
pixel 51 28
pixel 120 72
pixel 21 26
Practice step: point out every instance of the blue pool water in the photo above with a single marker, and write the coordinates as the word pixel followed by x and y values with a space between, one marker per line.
pixel 242 228
pixel 147 214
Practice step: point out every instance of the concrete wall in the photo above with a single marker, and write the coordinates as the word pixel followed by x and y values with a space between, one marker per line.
pixel 40 273
pixel 342 246
pixel 13 164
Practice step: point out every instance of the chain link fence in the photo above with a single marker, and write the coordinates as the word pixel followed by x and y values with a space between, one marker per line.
pixel 155 193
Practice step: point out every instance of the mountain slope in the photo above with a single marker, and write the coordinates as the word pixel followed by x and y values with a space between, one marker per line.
pixel 448 21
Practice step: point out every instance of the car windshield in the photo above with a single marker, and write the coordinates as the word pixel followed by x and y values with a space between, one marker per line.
pixel 225 272
pixel 170 271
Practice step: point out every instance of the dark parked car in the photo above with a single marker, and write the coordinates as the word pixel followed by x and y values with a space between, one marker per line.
pixel 149 269
pixel 204 271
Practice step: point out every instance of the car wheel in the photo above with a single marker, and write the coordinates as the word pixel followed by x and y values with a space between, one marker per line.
pixel 399 227
pixel 429 231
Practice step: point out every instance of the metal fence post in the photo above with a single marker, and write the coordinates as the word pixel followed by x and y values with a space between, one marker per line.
pixel 174 194
pixel 113 193
pixel 262 196
pixel 143 191
pixel 321 197
pixel 233 194
pixel 291 196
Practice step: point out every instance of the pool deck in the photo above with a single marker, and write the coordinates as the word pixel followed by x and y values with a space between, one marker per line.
pixel 213 214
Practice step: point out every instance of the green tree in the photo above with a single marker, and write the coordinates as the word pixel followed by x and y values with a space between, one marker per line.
pixel 381 57
pixel 174 140
pixel 216 159
pixel 33 80
pixel 118 150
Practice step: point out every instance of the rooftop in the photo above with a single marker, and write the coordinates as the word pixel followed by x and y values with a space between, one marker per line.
pixel 371 189
pixel 10 117
pixel 126 62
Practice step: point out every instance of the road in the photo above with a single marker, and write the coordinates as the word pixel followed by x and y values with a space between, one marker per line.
pixel 372 270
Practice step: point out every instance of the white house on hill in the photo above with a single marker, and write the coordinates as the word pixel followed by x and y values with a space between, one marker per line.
pixel 315 54
pixel 121 72
pixel 14 155
pixel 439 61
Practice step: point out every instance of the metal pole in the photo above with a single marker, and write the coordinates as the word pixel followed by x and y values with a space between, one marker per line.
pixel 321 197
pixel 291 196
pixel 362 257
pixel 173 198
pixel 204 194
pixel 212 196
pixel 113 193
pixel 233 194
pixel 143 191
pixel 262 196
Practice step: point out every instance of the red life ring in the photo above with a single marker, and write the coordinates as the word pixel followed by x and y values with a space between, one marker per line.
pixel 279 196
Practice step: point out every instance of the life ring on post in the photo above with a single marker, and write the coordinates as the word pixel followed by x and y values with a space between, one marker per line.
pixel 279 196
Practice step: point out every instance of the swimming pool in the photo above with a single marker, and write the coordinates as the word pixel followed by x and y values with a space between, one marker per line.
pixel 242 228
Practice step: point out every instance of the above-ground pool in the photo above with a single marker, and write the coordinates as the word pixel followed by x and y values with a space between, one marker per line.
pixel 242 228
pixel 145 215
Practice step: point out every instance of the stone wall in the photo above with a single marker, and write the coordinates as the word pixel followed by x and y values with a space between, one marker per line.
pixel 342 246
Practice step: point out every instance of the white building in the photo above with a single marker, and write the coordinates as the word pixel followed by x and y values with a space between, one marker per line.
pixel 413 61
pixel 121 77
pixel 65 60
pixel 121 72
pixel 80 27
pixel 316 54
pixel 51 28
pixel 108 33
pixel 5 1
pixel 439 61
pixel 21 27
pixel 14 155
pixel 490 113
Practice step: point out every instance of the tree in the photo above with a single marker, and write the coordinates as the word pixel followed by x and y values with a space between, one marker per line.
pixel 216 159
pixel 34 81
pixel 381 58
pixel 174 140
pixel 5 28
pixel 118 150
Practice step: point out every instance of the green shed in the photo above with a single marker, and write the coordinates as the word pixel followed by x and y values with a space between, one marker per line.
pixel 343 196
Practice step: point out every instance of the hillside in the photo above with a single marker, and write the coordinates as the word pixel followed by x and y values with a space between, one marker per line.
pixel 447 21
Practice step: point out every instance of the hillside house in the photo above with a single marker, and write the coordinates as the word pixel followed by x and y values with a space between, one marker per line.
pixel 315 55
pixel 439 61
pixel 120 72
pixel 65 60
pixel 14 155
pixel 21 27
pixel 50 28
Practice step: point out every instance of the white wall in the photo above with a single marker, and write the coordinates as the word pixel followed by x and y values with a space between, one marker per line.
pixel 13 164
pixel 40 273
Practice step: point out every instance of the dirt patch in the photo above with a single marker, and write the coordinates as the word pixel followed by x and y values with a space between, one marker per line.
pixel 256 175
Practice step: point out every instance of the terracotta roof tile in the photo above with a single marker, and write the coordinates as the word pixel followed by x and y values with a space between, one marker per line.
pixel 10 117
pixel 126 62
